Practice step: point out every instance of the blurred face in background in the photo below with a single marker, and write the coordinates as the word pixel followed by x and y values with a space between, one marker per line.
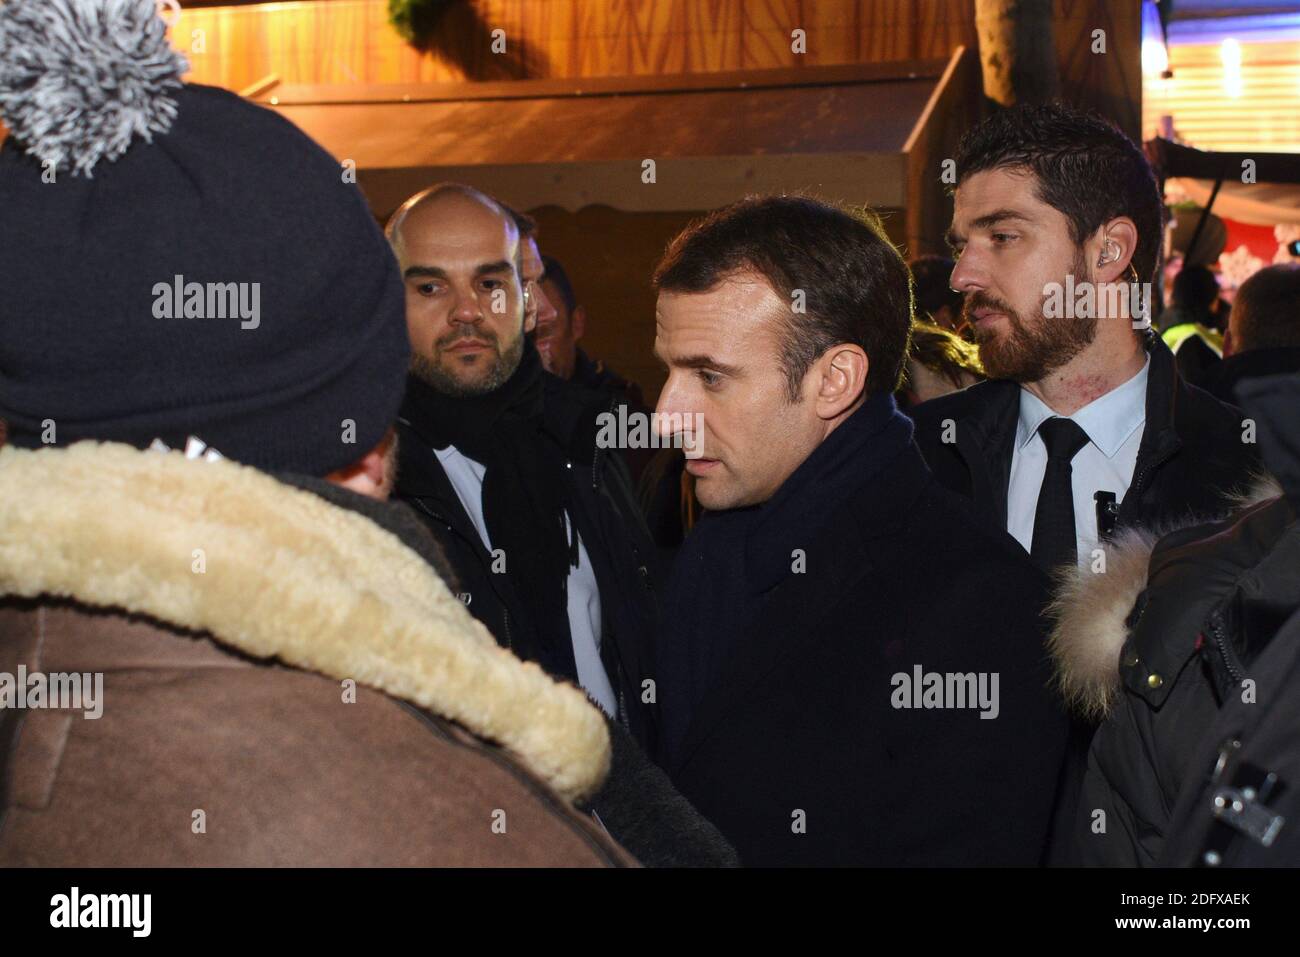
pixel 464 300
pixel 722 349
pixel 537 308
pixel 557 336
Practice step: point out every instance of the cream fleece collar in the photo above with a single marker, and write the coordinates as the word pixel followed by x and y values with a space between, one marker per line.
pixel 286 575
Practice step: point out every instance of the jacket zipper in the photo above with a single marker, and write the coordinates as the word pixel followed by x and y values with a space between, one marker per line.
pixel 1228 655
pixel 1139 483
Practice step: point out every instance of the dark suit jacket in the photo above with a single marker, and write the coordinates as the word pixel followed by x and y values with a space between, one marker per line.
pixel 1191 460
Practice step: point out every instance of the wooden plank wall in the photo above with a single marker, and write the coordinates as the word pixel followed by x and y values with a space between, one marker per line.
pixel 351 41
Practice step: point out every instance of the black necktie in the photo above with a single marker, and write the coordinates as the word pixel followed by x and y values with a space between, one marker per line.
pixel 1054 542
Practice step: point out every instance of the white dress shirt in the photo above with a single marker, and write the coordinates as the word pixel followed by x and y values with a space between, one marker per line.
pixel 1114 424
pixel 466 477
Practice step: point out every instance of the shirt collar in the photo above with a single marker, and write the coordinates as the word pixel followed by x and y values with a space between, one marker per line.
pixel 1109 420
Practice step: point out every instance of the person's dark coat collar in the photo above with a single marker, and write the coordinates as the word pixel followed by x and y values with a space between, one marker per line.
pixel 879 433
pixel 1166 393
pixel 858 534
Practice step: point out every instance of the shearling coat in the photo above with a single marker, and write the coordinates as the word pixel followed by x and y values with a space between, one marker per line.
pixel 284 683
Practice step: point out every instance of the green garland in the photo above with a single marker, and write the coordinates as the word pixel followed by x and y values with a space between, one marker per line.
pixel 416 20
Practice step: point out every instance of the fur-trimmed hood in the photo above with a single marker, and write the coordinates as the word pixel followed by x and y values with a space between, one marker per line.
pixel 285 575
pixel 1090 610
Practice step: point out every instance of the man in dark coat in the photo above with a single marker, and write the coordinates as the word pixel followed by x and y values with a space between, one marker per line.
pixel 851 670
pixel 1085 425
pixel 502 460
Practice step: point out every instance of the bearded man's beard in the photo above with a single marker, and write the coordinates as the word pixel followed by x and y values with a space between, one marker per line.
pixel 432 373
pixel 1031 351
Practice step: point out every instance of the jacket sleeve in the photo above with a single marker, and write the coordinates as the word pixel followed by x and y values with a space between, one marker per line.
pixel 1110 830
pixel 644 812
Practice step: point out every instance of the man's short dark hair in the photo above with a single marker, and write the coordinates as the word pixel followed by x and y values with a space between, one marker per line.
pixel 933 277
pixel 526 224
pixel 856 287
pixel 1084 168
pixel 1266 310
pixel 554 273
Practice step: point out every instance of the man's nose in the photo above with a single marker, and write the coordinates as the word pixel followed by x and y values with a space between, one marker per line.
pixel 671 411
pixel 466 309
pixel 546 314
pixel 967 276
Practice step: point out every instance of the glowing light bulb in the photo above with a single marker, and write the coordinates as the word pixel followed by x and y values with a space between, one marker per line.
pixel 1230 55
pixel 1155 58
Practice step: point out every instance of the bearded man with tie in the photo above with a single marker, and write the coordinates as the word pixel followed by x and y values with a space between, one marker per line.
pixel 1085 426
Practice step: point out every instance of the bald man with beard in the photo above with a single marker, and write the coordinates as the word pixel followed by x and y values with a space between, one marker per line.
pixel 501 459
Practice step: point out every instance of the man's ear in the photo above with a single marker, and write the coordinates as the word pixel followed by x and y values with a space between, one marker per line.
pixel 578 322
pixel 374 473
pixel 842 376
pixel 530 307
pixel 1115 245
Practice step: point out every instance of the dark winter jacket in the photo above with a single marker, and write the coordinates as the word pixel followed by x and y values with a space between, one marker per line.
pixel 1242 809
pixel 1251 364
pixel 1169 637
pixel 1191 460
pixel 1155 645
pixel 593 374
pixel 802 753
pixel 625 561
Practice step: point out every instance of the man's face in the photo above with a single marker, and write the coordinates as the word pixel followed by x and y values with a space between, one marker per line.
pixel 464 302
pixel 722 350
pixel 557 339
pixel 1009 246
pixel 537 307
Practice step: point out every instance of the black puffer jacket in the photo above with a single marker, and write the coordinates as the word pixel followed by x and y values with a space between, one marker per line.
pixel 1159 645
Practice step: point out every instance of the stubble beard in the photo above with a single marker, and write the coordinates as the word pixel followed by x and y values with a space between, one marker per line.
pixel 433 372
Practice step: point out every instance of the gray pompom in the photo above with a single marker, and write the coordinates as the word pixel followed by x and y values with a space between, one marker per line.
pixel 80 79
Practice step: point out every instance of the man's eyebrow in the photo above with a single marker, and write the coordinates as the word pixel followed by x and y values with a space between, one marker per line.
pixel 499 266
pixel 702 362
pixel 954 239
pixel 424 272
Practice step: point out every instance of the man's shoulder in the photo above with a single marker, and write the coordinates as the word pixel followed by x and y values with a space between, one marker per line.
pixel 1198 408
pixel 979 402
pixel 935 536
pixel 1214 430
pixel 963 540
